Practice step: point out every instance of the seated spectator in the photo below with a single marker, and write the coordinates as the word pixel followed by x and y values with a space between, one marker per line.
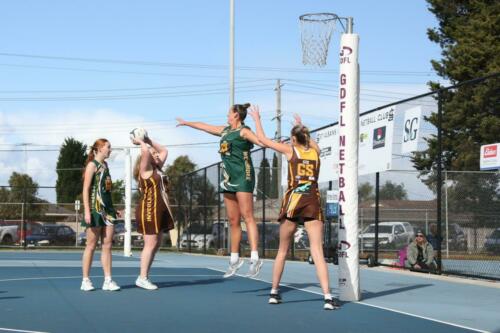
pixel 421 254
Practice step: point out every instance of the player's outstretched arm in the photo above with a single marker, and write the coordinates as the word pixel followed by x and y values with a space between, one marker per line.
pixel 266 142
pixel 211 129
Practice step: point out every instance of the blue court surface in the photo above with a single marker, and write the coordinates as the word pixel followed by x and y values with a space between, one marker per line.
pixel 39 292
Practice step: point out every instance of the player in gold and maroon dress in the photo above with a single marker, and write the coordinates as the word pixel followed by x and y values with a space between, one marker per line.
pixel 152 214
pixel 301 203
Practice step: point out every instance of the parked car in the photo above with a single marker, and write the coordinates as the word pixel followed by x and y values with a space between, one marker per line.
pixel 119 236
pixel 8 233
pixel 391 235
pixel 51 234
pixel 456 237
pixel 492 243
pixel 29 227
pixel 196 236
pixel 60 234
pixel 37 236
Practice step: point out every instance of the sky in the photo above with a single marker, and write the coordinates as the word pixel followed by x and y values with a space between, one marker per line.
pixel 91 69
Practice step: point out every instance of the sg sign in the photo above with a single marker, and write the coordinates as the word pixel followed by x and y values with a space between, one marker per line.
pixel 411 129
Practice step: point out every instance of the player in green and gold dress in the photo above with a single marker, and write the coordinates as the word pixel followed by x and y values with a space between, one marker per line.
pixel 236 141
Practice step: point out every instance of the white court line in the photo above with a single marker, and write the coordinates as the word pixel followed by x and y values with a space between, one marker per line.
pixel 14 330
pixel 367 304
pixel 101 276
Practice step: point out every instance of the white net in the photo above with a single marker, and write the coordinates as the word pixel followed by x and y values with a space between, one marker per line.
pixel 316 31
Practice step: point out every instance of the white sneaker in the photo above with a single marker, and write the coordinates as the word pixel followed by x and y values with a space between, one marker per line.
pixel 145 283
pixel 87 285
pixel 254 268
pixel 110 285
pixel 233 268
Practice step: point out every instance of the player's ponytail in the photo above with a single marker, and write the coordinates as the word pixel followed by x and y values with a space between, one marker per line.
pixel 99 143
pixel 301 134
pixel 241 109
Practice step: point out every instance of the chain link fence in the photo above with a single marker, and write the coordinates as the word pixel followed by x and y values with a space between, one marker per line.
pixel 460 218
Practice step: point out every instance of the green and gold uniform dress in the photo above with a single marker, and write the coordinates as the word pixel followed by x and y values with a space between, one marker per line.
pixel 102 212
pixel 237 168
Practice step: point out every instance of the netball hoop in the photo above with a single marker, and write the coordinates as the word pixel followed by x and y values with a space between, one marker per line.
pixel 316 32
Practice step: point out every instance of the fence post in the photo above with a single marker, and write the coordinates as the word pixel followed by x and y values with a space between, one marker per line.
pixel 439 184
pixel 218 208
pixel 263 170
pixel 190 215
pixel 205 211
pixel 377 202
pixel 25 213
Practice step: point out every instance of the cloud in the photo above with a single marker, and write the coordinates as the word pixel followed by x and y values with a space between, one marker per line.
pixel 48 132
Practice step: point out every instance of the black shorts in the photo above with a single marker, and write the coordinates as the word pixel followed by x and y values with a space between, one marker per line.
pixel 300 220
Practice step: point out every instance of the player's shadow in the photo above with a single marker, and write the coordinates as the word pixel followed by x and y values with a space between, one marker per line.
pixel 10 297
pixel 368 294
pixel 172 284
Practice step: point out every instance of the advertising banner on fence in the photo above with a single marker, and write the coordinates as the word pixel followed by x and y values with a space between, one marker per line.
pixel 490 157
pixel 411 130
pixel 375 141
pixel 328 142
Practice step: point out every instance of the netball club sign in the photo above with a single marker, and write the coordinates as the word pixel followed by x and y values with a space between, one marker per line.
pixel 490 157
pixel 411 130
pixel 375 141
pixel 348 168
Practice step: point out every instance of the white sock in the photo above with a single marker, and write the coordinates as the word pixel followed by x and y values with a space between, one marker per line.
pixel 328 296
pixel 254 255
pixel 107 279
pixel 274 291
pixel 86 279
pixel 234 258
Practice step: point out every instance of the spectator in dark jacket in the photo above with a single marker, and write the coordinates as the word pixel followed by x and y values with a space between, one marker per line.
pixel 433 236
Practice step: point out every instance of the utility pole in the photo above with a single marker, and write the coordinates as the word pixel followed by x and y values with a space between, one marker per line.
pixel 278 132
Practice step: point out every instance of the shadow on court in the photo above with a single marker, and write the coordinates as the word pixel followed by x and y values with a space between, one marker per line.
pixel 369 295
pixel 173 284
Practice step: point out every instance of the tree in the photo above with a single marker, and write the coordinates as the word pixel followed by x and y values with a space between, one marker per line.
pixel 263 180
pixel 21 195
pixel 365 192
pixel 275 185
pixel 71 161
pixel 468 36
pixel 391 191
pixel 189 192
pixel 118 192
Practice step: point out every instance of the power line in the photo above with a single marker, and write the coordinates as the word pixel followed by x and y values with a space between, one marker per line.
pixel 213 67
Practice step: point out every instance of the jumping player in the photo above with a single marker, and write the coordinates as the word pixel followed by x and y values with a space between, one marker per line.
pixel 239 181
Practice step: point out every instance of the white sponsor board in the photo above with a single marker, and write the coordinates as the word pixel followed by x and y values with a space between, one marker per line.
pixel 411 130
pixel 375 141
pixel 328 142
pixel 490 157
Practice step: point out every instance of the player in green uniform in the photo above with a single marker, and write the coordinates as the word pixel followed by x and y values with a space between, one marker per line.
pixel 99 213
pixel 238 182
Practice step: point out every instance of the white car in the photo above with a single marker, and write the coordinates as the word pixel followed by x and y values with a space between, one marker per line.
pixel 197 241
pixel 390 235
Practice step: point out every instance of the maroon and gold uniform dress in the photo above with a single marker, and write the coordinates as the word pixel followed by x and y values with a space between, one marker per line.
pixel 301 200
pixel 153 214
